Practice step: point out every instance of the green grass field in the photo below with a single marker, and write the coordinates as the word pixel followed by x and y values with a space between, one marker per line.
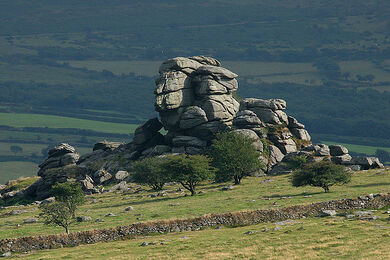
pixel 40 120
pixel 13 170
pixel 254 193
pixel 370 150
pixel 313 238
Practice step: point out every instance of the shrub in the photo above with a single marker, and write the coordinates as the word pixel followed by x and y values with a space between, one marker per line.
pixel 189 170
pixel 150 171
pixel 297 162
pixel 56 214
pixel 234 156
pixel 69 194
pixel 321 174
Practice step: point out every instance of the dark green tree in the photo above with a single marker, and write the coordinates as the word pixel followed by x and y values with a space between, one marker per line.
pixel 297 162
pixel 151 171
pixel 383 155
pixel 56 214
pixel 234 156
pixel 189 170
pixel 321 174
pixel 70 194
pixel 16 149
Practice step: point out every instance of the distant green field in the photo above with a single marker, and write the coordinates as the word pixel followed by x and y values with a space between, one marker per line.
pixel 370 150
pixel 29 149
pixel 14 170
pixel 40 120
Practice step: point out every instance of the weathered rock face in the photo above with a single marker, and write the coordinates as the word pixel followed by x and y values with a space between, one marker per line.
pixel 267 119
pixel 59 167
pixel 338 154
pixel 194 96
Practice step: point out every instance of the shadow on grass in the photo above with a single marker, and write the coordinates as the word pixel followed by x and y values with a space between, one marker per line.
pixel 296 195
pixel 371 185
pixel 132 203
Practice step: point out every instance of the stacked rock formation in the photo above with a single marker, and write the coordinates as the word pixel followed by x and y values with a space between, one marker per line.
pixel 59 156
pixel 283 134
pixel 59 167
pixel 338 154
pixel 194 97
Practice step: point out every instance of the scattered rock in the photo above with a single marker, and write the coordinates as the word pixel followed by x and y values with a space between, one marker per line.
pixel 328 213
pixel 130 208
pixel 121 175
pixel 227 188
pixel 83 219
pixel 30 220
pixel 6 254
pixel 110 215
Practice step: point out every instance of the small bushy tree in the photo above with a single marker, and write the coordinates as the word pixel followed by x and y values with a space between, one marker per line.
pixel 16 149
pixel 321 174
pixel 189 170
pixel 70 194
pixel 234 156
pixel 150 171
pixel 56 214
pixel 297 162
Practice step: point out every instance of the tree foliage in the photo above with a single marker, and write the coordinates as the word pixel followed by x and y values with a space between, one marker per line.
pixel 150 171
pixel 321 174
pixel 16 149
pixel 234 156
pixel 297 162
pixel 56 214
pixel 70 195
pixel 189 170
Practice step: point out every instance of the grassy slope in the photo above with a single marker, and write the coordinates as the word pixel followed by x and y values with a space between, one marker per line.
pixel 314 238
pixel 370 150
pixel 252 194
pixel 15 170
pixel 37 120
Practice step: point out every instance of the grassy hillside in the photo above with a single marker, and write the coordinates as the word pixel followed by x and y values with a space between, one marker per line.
pixel 36 120
pixel 254 193
pixel 320 238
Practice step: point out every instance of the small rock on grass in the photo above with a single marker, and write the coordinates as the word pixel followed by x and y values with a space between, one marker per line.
pixel 6 254
pixel 30 220
pixel 328 213
pixel 250 232
pixel 110 215
pixel 130 208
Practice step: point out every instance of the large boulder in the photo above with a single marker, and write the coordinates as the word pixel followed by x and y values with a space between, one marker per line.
pixel 338 150
pixel 148 130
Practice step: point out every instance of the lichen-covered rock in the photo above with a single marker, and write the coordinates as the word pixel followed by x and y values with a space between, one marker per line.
pixel 338 150
pixel 301 134
pixel 273 104
pixel 192 116
pixel 106 146
pixel 148 130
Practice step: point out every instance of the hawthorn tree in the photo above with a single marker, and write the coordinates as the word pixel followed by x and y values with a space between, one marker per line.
pixel 234 156
pixel 321 174
pixel 150 171
pixel 189 170
pixel 70 194
pixel 56 214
